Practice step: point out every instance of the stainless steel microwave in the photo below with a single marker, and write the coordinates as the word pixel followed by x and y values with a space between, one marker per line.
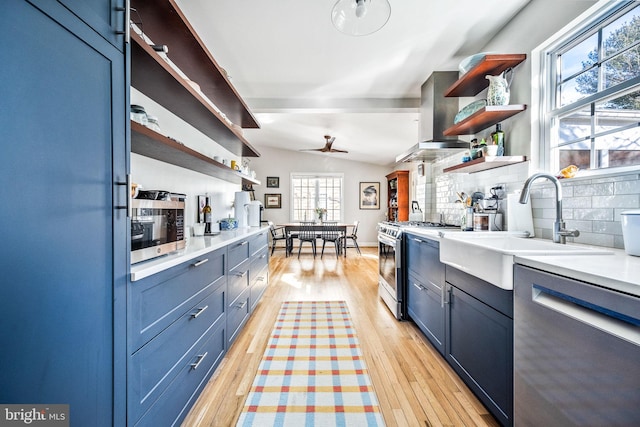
pixel 157 224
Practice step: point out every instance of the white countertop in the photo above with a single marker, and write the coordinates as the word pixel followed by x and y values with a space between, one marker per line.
pixel 196 246
pixel 617 271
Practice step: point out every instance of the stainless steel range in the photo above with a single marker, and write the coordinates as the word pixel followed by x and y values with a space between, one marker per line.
pixel 390 263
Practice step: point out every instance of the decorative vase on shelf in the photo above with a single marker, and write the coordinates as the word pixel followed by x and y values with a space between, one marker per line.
pixel 498 92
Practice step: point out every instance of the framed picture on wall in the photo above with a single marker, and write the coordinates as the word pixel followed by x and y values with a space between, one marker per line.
pixel 369 195
pixel 272 201
pixel 273 182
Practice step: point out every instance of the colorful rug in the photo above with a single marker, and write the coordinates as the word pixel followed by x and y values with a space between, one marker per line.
pixel 312 372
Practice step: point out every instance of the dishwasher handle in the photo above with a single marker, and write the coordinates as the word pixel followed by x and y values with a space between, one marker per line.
pixel 607 320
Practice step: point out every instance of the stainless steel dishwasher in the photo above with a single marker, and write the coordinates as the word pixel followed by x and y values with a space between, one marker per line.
pixel 576 353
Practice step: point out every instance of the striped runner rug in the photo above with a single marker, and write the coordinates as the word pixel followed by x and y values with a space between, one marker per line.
pixel 312 372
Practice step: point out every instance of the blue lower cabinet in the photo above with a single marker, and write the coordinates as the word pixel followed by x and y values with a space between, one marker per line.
pixel 426 308
pixel 173 405
pixel 259 275
pixel 156 364
pixel 237 315
pixel 479 340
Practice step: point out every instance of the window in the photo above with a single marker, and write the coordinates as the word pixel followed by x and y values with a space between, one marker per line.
pixel 592 116
pixel 311 191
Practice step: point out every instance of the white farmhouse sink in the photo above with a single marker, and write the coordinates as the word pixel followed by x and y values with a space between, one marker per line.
pixel 489 256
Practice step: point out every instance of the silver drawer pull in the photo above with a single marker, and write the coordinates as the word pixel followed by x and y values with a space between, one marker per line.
pixel 418 286
pixel 259 278
pixel 241 305
pixel 417 240
pixel 197 363
pixel 263 256
pixel 246 242
pixel 199 263
pixel 198 312
pixel 242 274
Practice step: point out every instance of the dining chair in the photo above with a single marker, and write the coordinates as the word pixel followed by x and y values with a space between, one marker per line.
pixel 278 234
pixel 353 237
pixel 331 233
pixel 307 233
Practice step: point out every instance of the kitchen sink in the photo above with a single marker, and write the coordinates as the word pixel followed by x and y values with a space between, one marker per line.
pixel 490 256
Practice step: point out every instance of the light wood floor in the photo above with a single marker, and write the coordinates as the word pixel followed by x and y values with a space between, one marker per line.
pixel 414 385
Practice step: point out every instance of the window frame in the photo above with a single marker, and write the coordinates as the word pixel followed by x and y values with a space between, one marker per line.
pixel 544 93
pixel 337 175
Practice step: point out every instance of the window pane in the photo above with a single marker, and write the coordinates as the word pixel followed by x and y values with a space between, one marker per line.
pixel 622 67
pixel 311 192
pixel 619 149
pixel 579 87
pixel 618 112
pixel 621 33
pixel 579 57
pixel 575 126
pixel 575 154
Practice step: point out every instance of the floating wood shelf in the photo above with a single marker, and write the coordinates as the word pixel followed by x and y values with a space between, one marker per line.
pixel 149 143
pixel 485 163
pixel 474 81
pixel 484 118
pixel 165 24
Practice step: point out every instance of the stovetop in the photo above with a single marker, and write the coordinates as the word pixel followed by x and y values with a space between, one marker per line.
pixel 393 228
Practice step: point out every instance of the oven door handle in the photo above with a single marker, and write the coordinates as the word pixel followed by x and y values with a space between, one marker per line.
pixel 387 241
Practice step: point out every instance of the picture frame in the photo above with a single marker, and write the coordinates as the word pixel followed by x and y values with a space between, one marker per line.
pixel 369 195
pixel 273 201
pixel 273 182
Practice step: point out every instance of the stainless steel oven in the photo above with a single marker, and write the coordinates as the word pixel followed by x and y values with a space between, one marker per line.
pixel 390 288
pixel 157 224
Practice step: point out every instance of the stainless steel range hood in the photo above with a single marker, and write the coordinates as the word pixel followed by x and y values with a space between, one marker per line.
pixel 436 114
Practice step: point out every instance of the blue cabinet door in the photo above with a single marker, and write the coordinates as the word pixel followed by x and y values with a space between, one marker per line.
pixel 64 258
pixel 107 17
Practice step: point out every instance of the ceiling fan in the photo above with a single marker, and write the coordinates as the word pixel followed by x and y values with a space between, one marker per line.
pixel 327 147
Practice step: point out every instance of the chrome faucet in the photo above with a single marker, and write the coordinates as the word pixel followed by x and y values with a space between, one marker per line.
pixel 559 232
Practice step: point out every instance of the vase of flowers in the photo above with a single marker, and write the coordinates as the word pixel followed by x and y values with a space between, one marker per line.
pixel 321 212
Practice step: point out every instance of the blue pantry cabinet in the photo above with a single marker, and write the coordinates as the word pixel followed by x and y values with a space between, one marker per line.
pixel 64 156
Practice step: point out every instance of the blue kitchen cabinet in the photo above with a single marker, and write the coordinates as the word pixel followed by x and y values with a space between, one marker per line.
pixel 425 288
pixel 259 267
pixel 64 261
pixel 107 17
pixel 479 340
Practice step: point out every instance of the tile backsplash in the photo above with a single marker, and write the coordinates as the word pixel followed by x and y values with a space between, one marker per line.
pixel 591 205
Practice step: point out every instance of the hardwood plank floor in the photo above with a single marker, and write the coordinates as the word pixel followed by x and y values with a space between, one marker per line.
pixel 414 385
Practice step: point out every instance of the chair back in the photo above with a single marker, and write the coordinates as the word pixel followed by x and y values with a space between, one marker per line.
pixel 354 233
pixel 272 229
pixel 307 231
pixel 330 230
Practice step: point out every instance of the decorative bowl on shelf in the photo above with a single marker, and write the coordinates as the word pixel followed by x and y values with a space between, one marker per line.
pixel 470 109
pixel 228 224
pixel 471 61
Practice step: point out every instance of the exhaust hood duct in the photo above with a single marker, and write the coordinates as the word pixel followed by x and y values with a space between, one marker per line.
pixel 436 114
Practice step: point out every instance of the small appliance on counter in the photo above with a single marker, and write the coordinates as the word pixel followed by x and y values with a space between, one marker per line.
pixel 416 212
pixel 240 206
pixel 157 224
pixel 254 213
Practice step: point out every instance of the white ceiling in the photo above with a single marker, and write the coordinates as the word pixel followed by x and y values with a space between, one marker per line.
pixel 304 79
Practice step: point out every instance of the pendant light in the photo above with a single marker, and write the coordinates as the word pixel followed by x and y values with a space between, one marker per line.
pixel 360 17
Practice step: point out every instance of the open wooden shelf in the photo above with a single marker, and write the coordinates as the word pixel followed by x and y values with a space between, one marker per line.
pixel 164 23
pixel 474 81
pixel 154 77
pixel 149 143
pixel 485 163
pixel 484 118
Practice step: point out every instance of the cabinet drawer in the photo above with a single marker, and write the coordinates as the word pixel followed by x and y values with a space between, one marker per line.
pixel 155 365
pixel 259 282
pixel 157 301
pixel 238 281
pixel 259 260
pixel 237 314
pixel 238 253
pixel 258 242
pixel 423 258
pixel 425 305
pixel 174 403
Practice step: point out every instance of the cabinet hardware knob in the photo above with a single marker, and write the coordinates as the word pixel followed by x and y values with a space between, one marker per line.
pixel 199 360
pixel 199 263
pixel 199 311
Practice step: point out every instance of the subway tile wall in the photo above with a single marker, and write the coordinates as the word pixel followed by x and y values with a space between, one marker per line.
pixel 591 205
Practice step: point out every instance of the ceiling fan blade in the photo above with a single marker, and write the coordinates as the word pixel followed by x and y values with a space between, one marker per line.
pixel 335 150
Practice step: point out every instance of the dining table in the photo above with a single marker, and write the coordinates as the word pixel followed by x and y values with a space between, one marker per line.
pixel 291 229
